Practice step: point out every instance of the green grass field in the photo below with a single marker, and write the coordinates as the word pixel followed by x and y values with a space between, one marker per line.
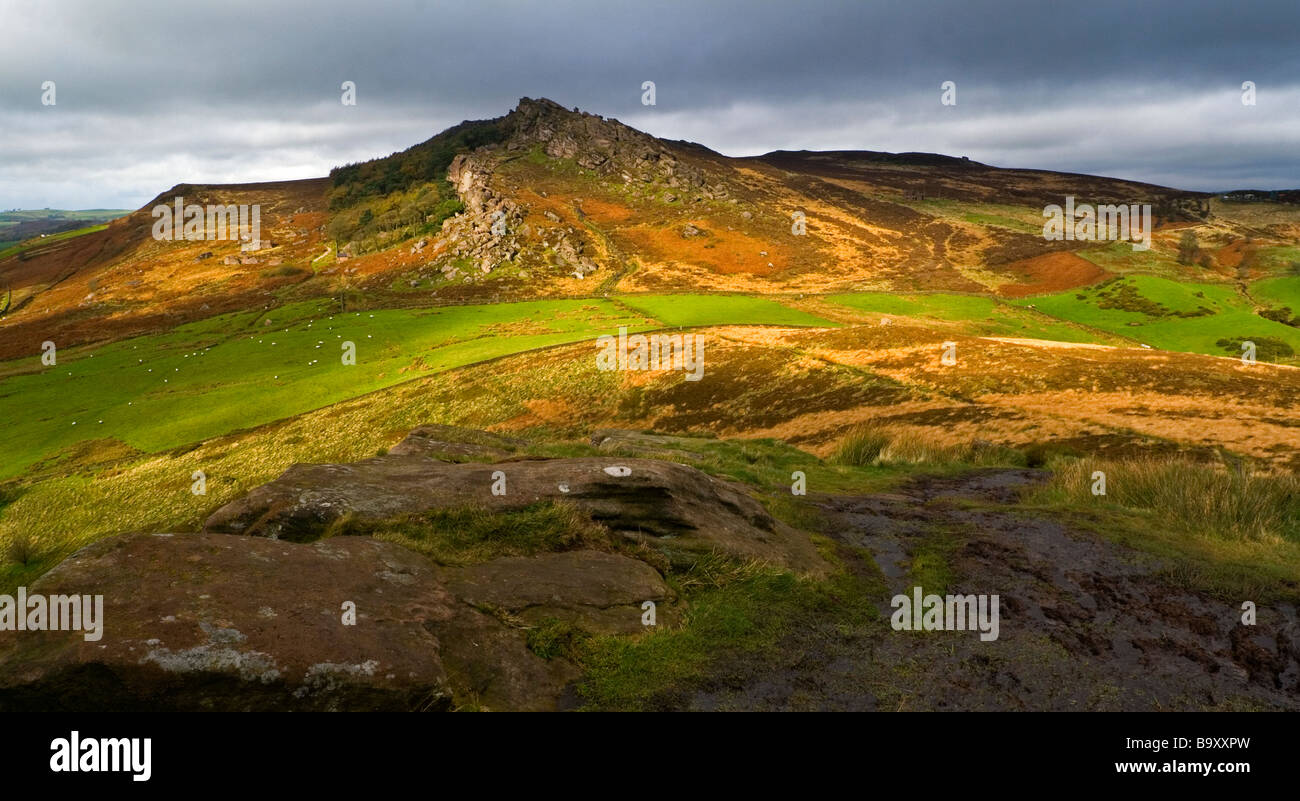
pixel 1278 292
pixel 689 311
pixel 232 372
pixel 986 316
pixel 1146 309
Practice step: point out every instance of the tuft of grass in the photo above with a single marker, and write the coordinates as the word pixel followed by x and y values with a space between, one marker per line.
pixel 556 638
pixel 471 534
pixel 20 549
pixel 931 566
pixel 861 447
pixel 913 447
pixel 869 444
pixel 1197 499
pixel 714 570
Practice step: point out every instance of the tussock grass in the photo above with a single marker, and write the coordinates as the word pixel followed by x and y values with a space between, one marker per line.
pixel 871 444
pixel 20 548
pixel 557 638
pixel 1198 499
pixel 715 570
pixel 861 447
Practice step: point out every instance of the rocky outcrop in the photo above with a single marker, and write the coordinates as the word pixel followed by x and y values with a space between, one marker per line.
pixel 214 622
pixel 491 230
pixel 669 506
pixel 604 146
pixel 287 620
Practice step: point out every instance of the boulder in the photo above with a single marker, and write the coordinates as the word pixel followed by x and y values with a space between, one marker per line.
pixel 215 622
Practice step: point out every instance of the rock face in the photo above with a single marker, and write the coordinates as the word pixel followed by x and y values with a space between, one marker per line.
pixel 600 592
pixel 488 232
pixel 491 232
pixel 214 622
pixel 604 146
pixel 665 505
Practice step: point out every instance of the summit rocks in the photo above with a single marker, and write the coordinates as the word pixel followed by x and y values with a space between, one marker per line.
pixel 492 232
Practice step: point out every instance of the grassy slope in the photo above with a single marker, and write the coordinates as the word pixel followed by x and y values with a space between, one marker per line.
pixel 1232 315
pixel 989 317
pixel 735 611
pixel 1122 259
pixel 700 310
pixel 219 375
pixel 231 372
pixel 1279 292
pixel 1277 258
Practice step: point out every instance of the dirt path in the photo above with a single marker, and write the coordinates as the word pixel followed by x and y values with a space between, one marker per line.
pixel 1084 623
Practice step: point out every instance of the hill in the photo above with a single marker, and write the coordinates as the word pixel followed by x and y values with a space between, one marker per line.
pixel 892 329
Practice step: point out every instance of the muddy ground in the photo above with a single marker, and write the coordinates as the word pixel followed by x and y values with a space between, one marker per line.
pixel 1085 624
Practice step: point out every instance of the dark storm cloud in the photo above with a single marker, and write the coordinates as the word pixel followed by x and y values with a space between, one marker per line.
pixel 152 94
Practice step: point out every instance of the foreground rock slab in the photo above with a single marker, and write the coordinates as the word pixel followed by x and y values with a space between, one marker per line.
pixel 215 622
pixel 667 505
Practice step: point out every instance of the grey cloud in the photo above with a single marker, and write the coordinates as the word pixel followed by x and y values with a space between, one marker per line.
pixel 249 91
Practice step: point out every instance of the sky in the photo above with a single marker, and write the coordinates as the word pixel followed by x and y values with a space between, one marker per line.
pixel 151 94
